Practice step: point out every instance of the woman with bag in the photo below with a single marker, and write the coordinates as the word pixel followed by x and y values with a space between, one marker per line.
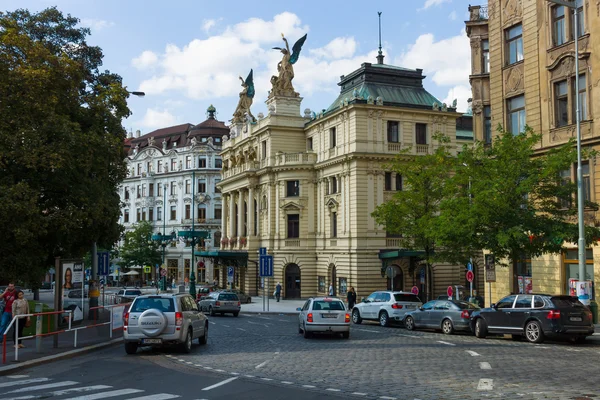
pixel 351 297
pixel 20 307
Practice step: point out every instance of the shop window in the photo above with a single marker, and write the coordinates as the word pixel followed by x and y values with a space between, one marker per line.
pixel 571 269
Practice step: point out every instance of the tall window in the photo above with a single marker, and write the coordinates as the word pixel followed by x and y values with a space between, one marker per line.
pixel 173 188
pixel 202 162
pixel 398 182
pixel 333 224
pixel 392 132
pixel 580 20
pixel 201 213
pixel 159 189
pixel 138 214
pixel 202 186
pixel 559 29
pixel 293 226
pixel 188 162
pixel 149 166
pixel 159 213
pixel 332 138
pixel 421 133
pixel 514 44
pixel 126 216
pixel 139 168
pixel 139 191
pixel 585 172
pixel 516 114
pixel 173 164
pixel 388 181
pixel 144 214
pixel 188 211
pixel 151 189
pixel 218 163
pixel 561 103
pixel 126 192
pixel 144 190
pixel 151 214
pixel 565 179
pixel 334 186
pixel 159 166
pixel 263 149
pixel 293 188
pixel 173 213
pixel 582 99
pixel 487 124
pixel 218 213
pixel 188 186
pixel 485 56
pixel 309 143
pixel 217 189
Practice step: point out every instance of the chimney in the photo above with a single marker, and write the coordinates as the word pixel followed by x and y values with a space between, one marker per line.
pixel 138 133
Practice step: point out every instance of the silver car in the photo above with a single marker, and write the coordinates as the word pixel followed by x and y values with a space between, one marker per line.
pixel 164 319
pixel 324 315
pixel 385 307
pixel 221 303
pixel 447 315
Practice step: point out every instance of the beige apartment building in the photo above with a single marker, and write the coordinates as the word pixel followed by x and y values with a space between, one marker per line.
pixel 304 185
pixel 523 72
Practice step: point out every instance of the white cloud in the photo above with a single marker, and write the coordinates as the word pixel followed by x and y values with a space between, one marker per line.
pixel 430 3
pixel 207 24
pixel 461 93
pixel 96 24
pixel 155 118
pixel 259 30
pixel 453 15
pixel 145 60
pixel 449 59
pixel 340 47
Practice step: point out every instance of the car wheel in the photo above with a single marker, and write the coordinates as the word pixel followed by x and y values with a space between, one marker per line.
pixel 533 332
pixel 447 327
pixel 480 328
pixel 204 338
pixel 131 348
pixel 187 344
pixel 211 311
pixel 306 334
pixel 409 323
pixel 356 316
pixel 383 318
pixel 235 314
pixel 346 335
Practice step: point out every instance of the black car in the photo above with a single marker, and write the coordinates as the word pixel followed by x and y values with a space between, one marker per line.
pixel 535 316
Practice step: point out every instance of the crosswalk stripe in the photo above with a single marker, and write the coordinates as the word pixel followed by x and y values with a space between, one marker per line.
pixel 41 387
pixel 23 382
pixel 160 396
pixel 113 393
pixel 64 392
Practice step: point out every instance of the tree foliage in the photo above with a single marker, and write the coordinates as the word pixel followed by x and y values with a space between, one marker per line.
pixel 138 248
pixel 62 156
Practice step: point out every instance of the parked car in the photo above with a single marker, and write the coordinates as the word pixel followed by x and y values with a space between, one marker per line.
pixel 324 315
pixel 127 295
pixel 164 319
pixel 535 316
pixel 244 298
pixel 202 291
pixel 221 303
pixel 385 307
pixel 447 315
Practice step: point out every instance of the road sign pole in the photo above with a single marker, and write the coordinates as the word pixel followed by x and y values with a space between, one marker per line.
pixel 269 291
pixel 471 283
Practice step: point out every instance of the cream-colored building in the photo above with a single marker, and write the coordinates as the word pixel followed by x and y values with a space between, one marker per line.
pixel 523 72
pixel 304 185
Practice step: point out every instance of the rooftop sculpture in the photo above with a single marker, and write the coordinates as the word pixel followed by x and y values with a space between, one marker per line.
pixel 282 84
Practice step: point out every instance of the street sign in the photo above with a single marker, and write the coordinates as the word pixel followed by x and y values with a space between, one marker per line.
pixel 147 269
pixel 262 251
pixel 470 276
pixel 230 272
pixel 200 264
pixel 490 268
pixel 450 292
pixel 163 272
pixel 414 290
pixel 103 261
pixel 470 266
pixel 423 275
pixel 391 272
pixel 266 266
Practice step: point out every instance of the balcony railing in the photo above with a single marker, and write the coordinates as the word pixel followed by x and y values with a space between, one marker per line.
pixel 292 243
pixel 422 149
pixel 394 147
pixel 392 242
pixel 478 13
pixel 285 159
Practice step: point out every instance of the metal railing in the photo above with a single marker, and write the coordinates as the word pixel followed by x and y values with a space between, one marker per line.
pixel 478 13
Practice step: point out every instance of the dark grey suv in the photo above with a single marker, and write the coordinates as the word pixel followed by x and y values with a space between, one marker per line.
pixel 535 316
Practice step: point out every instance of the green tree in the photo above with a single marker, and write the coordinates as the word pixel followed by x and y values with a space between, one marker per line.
pixel 412 212
pixel 519 204
pixel 62 154
pixel 138 247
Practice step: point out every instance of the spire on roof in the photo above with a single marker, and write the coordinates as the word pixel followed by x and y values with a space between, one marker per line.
pixel 380 53
pixel 211 110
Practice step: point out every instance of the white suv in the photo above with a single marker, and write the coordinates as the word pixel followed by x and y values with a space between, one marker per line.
pixel 385 307
pixel 164 319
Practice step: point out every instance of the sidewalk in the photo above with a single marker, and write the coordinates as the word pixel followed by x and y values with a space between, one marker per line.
pixel 281 307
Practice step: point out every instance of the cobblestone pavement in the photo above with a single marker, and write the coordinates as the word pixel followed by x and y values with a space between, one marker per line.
pixel 393 363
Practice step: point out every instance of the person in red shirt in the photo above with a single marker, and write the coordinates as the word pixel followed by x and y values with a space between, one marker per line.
pixel 9 296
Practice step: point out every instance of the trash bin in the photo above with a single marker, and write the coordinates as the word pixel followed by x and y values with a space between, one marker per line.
pixel 594 309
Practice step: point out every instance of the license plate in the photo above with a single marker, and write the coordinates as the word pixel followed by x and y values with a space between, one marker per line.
pixel 576 319
pixel 409 307
pixel 329 315
pixel 151 341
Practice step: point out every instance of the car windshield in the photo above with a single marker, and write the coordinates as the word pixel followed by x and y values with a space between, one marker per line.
pixel 133 292
pixel 407 297
pixel 463 305
pixel 159 303
pixel 228 296
pixel 566 302
pixel 328 305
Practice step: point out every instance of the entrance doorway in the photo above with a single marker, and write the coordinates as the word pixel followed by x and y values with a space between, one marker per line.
pixel 292 281
pixel 333 280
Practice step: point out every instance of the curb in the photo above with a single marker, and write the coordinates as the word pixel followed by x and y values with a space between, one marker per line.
pixel 270 312
pixel 8 369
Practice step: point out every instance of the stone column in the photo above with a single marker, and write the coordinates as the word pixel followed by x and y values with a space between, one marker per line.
pixel 251 211
pixel 224 216
pixel 241 216
pixel 231 214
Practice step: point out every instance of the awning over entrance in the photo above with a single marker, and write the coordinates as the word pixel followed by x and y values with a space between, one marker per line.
pixel 400 253
pixel 230 258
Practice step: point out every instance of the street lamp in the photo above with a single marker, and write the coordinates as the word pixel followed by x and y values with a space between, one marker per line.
pixel 581 242
pixel 164 239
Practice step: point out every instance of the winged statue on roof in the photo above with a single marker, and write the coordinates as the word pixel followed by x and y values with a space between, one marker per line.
pixel 246 98
pixel 282 83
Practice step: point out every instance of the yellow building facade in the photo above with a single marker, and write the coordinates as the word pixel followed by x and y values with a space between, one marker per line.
pixel 523 73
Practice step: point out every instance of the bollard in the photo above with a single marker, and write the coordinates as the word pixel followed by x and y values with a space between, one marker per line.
pixel 38 327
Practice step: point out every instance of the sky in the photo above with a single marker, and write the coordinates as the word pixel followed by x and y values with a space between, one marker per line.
pixel 187 55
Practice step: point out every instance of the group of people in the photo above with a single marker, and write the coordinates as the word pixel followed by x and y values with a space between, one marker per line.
pixel 13 304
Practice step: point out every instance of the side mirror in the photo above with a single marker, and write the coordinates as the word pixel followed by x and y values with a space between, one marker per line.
pixel 494 306
pixel 298 309
pixel 421 308
pixel 364 300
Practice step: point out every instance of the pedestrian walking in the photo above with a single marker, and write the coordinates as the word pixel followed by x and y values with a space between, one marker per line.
pixel 9 296
pixel 278 291
pixel 351 297
pixel 20 307
pixel 330 289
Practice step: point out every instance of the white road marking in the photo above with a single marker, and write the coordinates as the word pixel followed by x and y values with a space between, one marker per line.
pixel 410 336
pixel 471 352
pixel 234 373
pixel 287 383
pixel 18 376
pixel 179 359
pixel 216 385
pixel 387 398
pixel 198 365
pixel 249 376
pixel 66 391
pixel 309 386
pixel 266 379
pixel 359 394
pixel 264 318
pixel 485 365
pixel 214 323
pixel 262 364
pixel 189 362
pixel 241 329
pixel 219 370
pixel 226 326
pixel 449 344
pixel 103 395
pixel 282 320
pixel 207 367
pixel 23 382
pixel 366 330
pixel 333 390
pixel 46 386
pixel 159 396
pixel 485 384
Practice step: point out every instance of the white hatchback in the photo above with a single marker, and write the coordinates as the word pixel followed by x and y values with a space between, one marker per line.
pixel 385 307
pixel 324 315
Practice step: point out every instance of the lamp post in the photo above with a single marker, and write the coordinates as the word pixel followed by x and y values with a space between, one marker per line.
pixel 581 242
pixel 164 239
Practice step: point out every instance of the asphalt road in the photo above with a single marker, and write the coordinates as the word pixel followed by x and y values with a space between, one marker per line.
pixel 264 357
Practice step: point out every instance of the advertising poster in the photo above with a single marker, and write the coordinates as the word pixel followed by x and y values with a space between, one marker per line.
pixel 72 276
pixel 117 317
